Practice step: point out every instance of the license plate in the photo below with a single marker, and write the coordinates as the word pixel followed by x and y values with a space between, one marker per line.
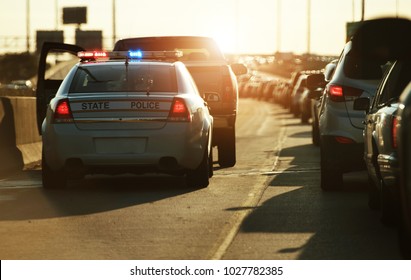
pixel 130 145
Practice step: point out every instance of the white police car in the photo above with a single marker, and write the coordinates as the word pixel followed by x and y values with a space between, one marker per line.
pixel 132 112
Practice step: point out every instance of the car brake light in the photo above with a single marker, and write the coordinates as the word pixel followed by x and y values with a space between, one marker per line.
pixel 63 114
pixel 179 111
pixel 336 93
pixel 394 132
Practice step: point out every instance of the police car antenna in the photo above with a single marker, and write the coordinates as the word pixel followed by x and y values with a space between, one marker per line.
pixel 149 82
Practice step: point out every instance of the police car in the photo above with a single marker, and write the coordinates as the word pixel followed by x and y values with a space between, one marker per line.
pixel 126 112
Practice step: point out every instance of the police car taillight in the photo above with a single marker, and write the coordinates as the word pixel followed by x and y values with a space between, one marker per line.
pixel 62 113
pixel 179 111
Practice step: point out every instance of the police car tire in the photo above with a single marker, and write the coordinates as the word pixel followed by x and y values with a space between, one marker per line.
pixel 199 178
pixel 51 179
pixel 210 164
pixel 227 149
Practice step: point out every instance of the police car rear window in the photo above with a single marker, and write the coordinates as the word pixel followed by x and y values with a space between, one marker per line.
pixel 121 78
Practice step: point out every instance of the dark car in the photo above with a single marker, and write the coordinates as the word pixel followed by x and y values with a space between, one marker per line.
pixel 215 79
pixel 288 90
pixel 315 85
pixel 404 170
pixel 296 95
pixel 380 146
pixel 318 83
pixel 309 97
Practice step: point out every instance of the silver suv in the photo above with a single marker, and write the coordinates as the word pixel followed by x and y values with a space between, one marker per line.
pixel 341 127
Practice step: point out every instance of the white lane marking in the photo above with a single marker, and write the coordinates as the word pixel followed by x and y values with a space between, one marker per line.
pixel 250 204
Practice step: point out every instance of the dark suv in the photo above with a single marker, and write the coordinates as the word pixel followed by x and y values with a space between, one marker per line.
pixel 380 133
pixel 215 79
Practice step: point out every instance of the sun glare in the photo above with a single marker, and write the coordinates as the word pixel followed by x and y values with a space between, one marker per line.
pixel 225 41
pixel 225 34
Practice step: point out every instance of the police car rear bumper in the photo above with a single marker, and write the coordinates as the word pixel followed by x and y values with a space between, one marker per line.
pixel 162 150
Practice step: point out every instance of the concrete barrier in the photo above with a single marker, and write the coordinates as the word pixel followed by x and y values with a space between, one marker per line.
pixel 20 142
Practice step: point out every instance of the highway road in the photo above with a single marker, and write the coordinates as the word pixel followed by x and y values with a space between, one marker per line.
pixel 269 206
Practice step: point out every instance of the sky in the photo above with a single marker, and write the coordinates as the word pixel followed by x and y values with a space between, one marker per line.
pixel 239 26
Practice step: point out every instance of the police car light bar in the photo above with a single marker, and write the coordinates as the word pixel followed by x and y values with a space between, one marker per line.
pixel 92 54
pixel 132 54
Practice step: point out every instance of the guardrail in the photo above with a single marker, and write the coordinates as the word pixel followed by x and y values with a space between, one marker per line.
pixel 20 142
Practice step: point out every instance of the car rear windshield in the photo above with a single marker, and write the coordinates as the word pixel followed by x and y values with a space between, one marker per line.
pixel 357 67
pixel 94 78
pixel 207 78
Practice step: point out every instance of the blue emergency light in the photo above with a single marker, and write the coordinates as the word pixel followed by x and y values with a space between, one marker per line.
pixel 138 54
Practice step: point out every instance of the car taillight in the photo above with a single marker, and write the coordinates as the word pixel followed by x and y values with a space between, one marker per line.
pixel 63 114
pixel 179 111
pixel 394 132
pixel 336 93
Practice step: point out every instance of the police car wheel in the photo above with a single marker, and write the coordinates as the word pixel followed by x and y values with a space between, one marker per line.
pixel 199 178
pixel 51 179
pixel 210 164
pixel 227 149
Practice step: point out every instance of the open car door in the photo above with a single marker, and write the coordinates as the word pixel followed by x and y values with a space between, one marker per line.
pixel 62 57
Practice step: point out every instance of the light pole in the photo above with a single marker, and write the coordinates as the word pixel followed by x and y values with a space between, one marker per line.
pixel 308 26
pixel 362 9
pixel 114 21
pixel 28 25
pixel 278 25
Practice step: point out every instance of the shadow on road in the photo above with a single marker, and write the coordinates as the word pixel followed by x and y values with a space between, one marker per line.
pixel 339 224
pixel 92 195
